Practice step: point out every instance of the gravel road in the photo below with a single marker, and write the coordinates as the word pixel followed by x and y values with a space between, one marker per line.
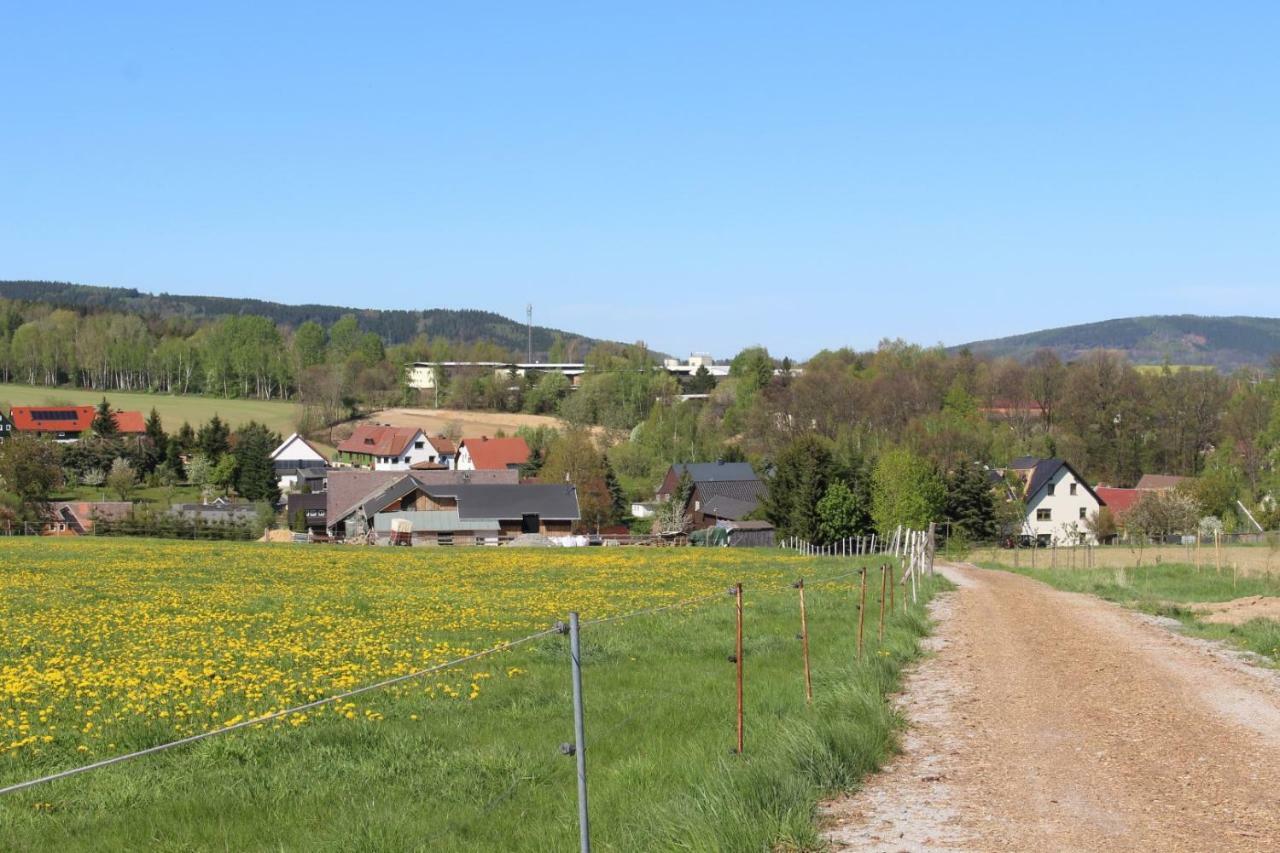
pixel 1055 721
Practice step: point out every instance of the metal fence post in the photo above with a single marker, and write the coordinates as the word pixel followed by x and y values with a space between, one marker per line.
pixel 579 733
pixel 737 658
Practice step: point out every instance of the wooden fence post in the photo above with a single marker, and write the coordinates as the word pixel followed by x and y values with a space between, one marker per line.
pixel 804 644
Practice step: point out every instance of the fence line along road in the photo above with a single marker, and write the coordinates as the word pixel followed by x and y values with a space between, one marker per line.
pixel 400 679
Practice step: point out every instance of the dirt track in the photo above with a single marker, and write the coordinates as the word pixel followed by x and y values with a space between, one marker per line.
pixel 1055 721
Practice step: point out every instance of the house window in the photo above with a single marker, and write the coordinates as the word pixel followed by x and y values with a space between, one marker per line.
pixel 1084 513
pixel 1051 488
pixel 417 445
pixel 1073 491
pixel 1044 515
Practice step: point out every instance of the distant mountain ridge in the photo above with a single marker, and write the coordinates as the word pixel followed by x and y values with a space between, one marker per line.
pixel 394 325
pixel 1226 343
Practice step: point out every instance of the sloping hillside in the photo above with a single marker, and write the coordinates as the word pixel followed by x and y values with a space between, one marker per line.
pixel 1223 342
pixel 395 326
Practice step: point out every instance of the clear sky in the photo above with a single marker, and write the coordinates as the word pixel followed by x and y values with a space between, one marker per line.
pixel 699 176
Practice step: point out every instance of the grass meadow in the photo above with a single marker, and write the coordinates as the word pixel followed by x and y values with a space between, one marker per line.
pixel 1170 589
pixel 279 415
pixel 108 646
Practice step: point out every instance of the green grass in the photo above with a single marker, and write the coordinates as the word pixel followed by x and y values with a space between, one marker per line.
pixel 279 415
pixel 1167 590
pixel 487 774
pixel 157 495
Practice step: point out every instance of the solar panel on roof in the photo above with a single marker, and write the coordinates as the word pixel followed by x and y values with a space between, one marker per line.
pixel 54 415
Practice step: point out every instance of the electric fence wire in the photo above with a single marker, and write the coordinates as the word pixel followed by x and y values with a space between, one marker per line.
pixel 378 685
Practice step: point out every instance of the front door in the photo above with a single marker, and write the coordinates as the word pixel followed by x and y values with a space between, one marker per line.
pixel 530 522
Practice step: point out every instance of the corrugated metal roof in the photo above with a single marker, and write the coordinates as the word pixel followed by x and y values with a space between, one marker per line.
pixel 435 521
pixel 721 506
pixel 554 501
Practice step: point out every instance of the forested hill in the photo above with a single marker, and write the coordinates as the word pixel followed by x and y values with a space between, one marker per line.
pixel 1223 342
pixel 394 326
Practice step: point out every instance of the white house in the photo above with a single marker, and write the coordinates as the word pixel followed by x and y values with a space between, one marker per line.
pixel 292 458
pixel 386 448
pixel 1058 501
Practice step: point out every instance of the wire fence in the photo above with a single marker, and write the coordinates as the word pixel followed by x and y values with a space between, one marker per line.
pixel 895 588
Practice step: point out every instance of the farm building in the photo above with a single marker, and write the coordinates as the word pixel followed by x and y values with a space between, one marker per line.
pixel 77 518
pixel 442 513
pixel 307 511
pixel 217 511
pixel 722 491
pixel 66 424
pixel 491 454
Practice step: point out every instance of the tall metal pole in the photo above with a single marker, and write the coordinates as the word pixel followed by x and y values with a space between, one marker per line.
pixel 738 660
pixel 579 733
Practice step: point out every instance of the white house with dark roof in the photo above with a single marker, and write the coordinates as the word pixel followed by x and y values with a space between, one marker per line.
pixel 295 460
pixel 1058 501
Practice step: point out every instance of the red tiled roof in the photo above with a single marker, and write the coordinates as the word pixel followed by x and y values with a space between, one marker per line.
pixel 70 419
pixel 443 446
pixel 131 422
pixel 493 453
pixel 1119 501
pixel 378 440
pixel 52 418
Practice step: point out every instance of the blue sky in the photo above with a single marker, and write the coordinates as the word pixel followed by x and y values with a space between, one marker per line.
pixel 699 176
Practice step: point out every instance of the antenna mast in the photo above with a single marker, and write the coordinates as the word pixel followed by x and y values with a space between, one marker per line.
pixel 528 312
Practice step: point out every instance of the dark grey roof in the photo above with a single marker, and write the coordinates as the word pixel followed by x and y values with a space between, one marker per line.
pixel 377 501
pixel 1023 463
pixel 721 506
pixel 233 512
pixel 742 490
pixel 714 472
pixel 1046 469
pixel 307 501
pixel 1041 474
pixel 555 501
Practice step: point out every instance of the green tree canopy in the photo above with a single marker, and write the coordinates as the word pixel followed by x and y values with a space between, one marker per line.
pixel 802 474
pixel 905 490
pixel 104 420
pixel 970 501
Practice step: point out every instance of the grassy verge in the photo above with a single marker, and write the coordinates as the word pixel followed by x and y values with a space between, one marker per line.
pixel 431 771
pixel 1168 590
